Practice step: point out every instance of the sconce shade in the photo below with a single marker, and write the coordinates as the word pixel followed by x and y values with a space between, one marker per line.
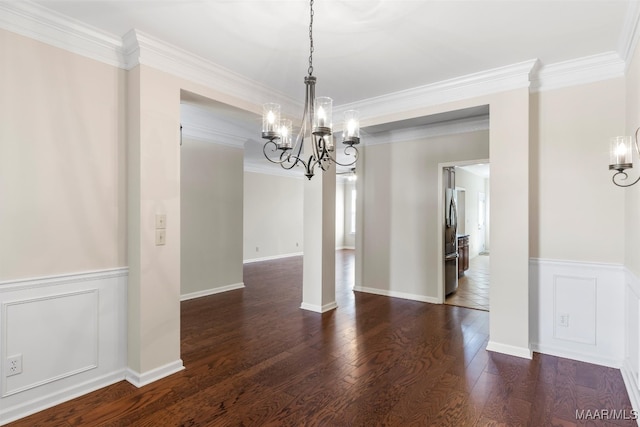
pixel 351 130
pixel 620 153
pixel 270 120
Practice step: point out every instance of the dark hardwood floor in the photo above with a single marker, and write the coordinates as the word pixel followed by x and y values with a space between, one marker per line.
pixel 254 358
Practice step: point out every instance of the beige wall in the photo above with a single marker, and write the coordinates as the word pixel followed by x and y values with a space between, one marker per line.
pixel 272 215
pixel 154 188
pixel 632 194
pixel 62 161
pixel 211 193
pixel 400 213
pixel 576 212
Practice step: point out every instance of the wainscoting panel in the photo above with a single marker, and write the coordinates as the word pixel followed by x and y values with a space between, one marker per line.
pixel 577 296
pixel 577 310
pixel 631 368
pixel 75 312
pixel 69 333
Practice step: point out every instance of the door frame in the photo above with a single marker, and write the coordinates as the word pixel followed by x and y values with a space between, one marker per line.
pixel 440 219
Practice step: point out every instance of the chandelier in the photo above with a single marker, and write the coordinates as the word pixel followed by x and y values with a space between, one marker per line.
pixel 316 127
pixel 621 157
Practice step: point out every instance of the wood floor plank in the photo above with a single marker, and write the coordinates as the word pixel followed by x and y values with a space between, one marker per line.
pixel 254 358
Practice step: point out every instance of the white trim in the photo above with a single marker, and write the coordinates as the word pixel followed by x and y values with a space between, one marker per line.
pixel 317 308
pixel 62 279
pixel 92 363
pixel 136 47
pixel 53 28
pixel 209 134
pixel 452 127
pixel 273 257
pixel 630 33
pixel 606 286
pixel 577 264
pixel 213 291
pixel 140 380
pixel 202 124
pixel 511 350
pixel 579 71
pixel 143 49
pixel 487 82
pixel 50 400
pixel 631 385
pixel 266 168
pixel 396 294
pixel 576 355
pixel 631 363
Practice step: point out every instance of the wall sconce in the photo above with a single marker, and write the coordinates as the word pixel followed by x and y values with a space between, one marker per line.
pixel 621 157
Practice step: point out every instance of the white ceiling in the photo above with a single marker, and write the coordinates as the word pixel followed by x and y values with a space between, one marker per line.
pixel 367 48
pixel 363 48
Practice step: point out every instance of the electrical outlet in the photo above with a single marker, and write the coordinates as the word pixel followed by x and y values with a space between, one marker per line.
pixel 14 365
pixel 563 320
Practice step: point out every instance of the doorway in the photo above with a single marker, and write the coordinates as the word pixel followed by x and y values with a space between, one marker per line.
pixel 472 187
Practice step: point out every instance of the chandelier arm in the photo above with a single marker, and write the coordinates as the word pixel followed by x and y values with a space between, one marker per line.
pixel 310 167
pixel 290 165
pixel 284 158
pixel 355 156
pixel 267 156
pixel 613 178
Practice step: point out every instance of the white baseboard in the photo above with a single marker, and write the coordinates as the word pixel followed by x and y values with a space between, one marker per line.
pixel 273 257
pixel 576 355
pixel 395 294
pixel 631 384
pixel 96 351
pixel 207 292
pixel 319 309
pixel 511 350
pixel 32 406
pixel 140 380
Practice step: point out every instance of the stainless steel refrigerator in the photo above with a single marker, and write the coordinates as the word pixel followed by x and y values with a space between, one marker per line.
pixel 450 232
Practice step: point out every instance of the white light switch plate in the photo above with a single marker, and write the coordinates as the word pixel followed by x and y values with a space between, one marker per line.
pixel 161 237
pixel 161 221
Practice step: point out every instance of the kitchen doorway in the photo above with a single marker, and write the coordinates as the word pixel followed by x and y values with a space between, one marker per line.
pixel 472 188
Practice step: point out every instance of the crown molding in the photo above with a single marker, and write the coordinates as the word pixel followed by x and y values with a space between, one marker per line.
pixel 203 125
pixel 630 33
pixel 144 49
pixel 579 71
pixel 470 86
pixel 451 127
pixel 39 23
pixel 208 134
pixel 266 168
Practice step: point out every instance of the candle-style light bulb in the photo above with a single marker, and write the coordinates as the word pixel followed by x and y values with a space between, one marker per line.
pixel 322 117
pixel 351 127
pixel 270 120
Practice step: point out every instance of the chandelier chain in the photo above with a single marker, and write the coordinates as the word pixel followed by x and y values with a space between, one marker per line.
pixel 311 39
